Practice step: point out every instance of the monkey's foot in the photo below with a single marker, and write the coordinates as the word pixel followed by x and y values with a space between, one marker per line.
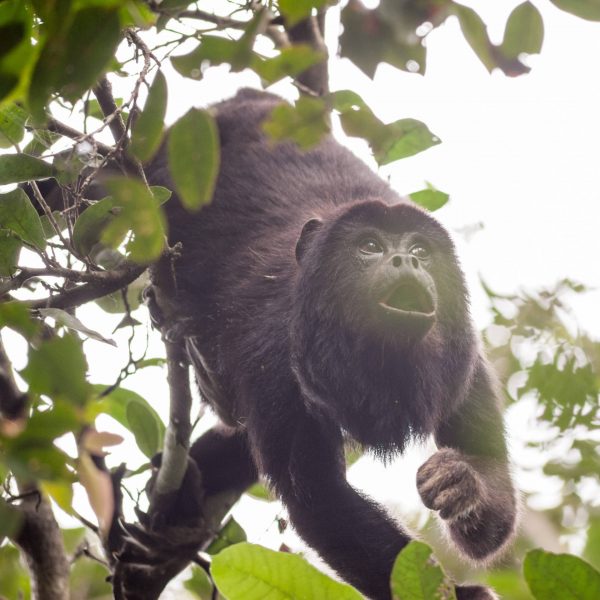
pixel 449 484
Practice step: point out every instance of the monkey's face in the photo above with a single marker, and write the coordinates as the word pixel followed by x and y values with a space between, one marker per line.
pixel 386 270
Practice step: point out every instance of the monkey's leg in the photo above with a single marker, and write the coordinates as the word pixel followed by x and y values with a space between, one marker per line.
pixel 223 457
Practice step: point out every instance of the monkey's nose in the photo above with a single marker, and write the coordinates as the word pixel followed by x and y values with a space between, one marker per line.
pixel 407 260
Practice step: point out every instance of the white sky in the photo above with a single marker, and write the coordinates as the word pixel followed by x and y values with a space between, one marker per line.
pixel 518 155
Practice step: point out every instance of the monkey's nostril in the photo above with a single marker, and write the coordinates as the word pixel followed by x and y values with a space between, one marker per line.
pixel 397 261
pixel 415 262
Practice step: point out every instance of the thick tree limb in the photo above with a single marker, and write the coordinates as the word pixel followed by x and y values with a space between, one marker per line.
pixel 41 542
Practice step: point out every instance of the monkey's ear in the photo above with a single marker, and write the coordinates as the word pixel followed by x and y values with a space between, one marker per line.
pixel 310 227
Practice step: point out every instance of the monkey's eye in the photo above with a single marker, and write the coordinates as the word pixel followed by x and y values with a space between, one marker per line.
pixel 420 251
pixel 370 246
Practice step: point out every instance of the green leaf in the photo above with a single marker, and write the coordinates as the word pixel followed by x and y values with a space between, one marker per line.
pixel 251 572
pixel 12 124
pixel 13 575
pixel 475 33
pixel 416 576
pixel 199 584
pixel 194 154
pixel 231 533
pixel 18 215
pixel 66 319
pixel 524 31
pixel 116 405
pixel 586 9
pixel 258 490
pixel 305 123
pixel 39 462
pixel 139 214
pixel 147 131
pixel 57 368
pixel 551 576
pixel 10 249
pixel 142 423
pixel 18 168
pixel 431 199
pixel 73 58
pixel 297 10
pixel 16 316
pixel 591 552
pixel 42 141
pixel 10 520
pixel 87 231
pixel 161 194
pixel 291 61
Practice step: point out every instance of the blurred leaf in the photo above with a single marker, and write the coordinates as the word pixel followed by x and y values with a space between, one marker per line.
pixel 551 576
pixel 116 405
pixel 13 575
pixel 258 490
pixel 73 58
pixel 508 584
pixel 586 9
pixel 44 427
pixel 18 168
pixel 16 316
pixel 19 216
pixel 114 303
pixel 291 61
pixel 305 123
pixel 12 122
pixel 524 31
pixel 231 533
pixel 144 426
pixel 61 493
pixel 297 10
pixel 62 317
pixel 88 581
pixel 98 486
pixel 92 108
pixel 416 576
pixel 161 194
pixel 194 155
pixel 431 199
pixel 139 214
pixel 42 141
pixel 591 552
pixel 38 462
pixel 250 572
pixel 199 584
pixel 10 520
pixel 475 33
pixel 96 442
pixel 147 132
pixel 57 368
pixel 87 231
pixel 10 249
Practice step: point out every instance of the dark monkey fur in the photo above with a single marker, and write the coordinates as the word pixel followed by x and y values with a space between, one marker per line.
pixel 319 305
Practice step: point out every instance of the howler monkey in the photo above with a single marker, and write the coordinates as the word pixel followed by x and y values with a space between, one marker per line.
pixel 320 305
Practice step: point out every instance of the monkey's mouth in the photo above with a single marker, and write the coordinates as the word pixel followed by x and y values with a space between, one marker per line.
pixel 409 298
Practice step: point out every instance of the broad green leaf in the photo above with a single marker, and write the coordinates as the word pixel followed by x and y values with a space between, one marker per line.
pixel 87 231
pixel 18 168
pixel 552 576
pixel 139 214
pixel 586 9
pixel 12 123
pixel 16 582
pixel 57 368
pixel 416 576
pixel 251 572
pixel 524 31
pixel 591 552
pixel 231 533
pixel 73 59
pixel 305 123
pixel 148 129
pixel 10 520
pixel 43 427
pixel 116 405
pixel 258 490
pixel 297 10
pixel 39 462
pixel 475 33
pixel 194 155
pixel 290 62
pixel 431 199
pixel 61 492
pixel 66 319
pixel 16 316
pixel 199 584
pixel 18 215
pixel 161 194
pixel 143 424
pixel 10 249
pixel 508 584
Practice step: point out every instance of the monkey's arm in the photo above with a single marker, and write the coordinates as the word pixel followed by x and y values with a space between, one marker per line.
pixel 304 459
pixel 468 479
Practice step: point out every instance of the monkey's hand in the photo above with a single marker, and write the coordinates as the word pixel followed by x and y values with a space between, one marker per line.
pixel 474 496
pixel 449 484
